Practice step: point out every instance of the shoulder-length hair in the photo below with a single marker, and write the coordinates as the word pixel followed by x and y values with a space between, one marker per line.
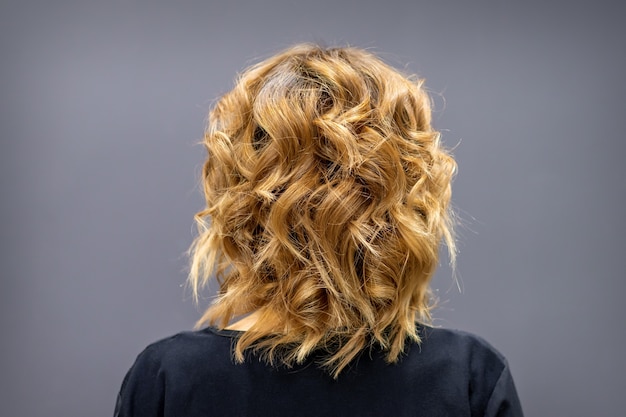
pixel 327 196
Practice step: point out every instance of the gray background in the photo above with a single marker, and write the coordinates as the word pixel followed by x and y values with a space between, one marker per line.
pixel 103 102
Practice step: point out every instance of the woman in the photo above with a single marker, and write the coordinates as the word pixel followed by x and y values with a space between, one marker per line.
pixel 327 196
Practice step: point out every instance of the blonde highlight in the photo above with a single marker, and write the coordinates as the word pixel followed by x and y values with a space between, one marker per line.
pixel 327 197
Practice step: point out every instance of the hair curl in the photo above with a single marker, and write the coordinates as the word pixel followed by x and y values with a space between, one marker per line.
pixel 327 196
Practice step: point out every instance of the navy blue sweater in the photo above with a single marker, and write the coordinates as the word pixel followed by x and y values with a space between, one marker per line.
pixel 192 374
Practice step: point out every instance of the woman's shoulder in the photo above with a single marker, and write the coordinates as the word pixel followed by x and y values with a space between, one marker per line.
pixel 460 349
pixel 179 354
pixel 470 359
pixel 184 346
pixel 446 339
pixel 458 368
pixel 172 361
pixel 458 354
pixel 435 341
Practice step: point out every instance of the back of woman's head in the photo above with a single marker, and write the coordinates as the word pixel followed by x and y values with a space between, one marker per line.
pixel 327 196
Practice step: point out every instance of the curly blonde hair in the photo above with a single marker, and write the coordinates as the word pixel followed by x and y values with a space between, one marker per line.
pixel 327 194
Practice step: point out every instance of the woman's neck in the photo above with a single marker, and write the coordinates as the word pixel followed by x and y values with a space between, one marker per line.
pixel 245 323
